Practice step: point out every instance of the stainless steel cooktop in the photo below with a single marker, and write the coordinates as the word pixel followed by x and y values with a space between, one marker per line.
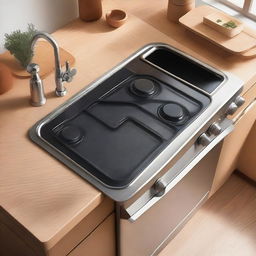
pixel 121 131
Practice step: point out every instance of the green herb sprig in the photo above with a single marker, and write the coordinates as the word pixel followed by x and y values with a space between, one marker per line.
pixel 18 43
pixel 230 24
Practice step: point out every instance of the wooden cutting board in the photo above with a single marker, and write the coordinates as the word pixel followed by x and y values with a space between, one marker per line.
pixel 252 51
pixel 43 56
pixel 243 43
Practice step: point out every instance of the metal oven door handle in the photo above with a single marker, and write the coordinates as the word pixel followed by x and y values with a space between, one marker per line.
pixel 141 205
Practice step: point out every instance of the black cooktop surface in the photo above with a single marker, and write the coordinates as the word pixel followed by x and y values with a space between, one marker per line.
pixel 118 128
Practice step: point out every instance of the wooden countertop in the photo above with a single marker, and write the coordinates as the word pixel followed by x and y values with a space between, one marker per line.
pixel 43 195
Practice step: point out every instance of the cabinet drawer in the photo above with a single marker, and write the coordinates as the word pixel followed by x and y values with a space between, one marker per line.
pixel 101 242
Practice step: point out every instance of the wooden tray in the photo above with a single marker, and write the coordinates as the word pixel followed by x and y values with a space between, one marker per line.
pixel 243 43
pixel 43 56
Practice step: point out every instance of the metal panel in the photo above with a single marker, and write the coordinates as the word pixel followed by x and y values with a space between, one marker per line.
pixel 144 236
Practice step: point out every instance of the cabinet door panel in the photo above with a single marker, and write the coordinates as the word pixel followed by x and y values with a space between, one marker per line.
pixel 247 159
pixel 101 242
pixel 82 229
pixel 232 147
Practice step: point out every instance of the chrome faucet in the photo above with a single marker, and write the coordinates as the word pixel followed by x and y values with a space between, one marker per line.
pixel 36 85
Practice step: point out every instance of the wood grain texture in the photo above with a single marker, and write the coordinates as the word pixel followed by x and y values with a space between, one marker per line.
pixel 100 243
pixel 84 228
pixel 44 57
pixel 232 147
pixel 224 226
pixel 194 21
pixel 247 160
pixel 37 191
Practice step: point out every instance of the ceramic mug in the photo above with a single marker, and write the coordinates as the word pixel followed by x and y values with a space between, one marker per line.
pixel 178 8
pixel 90 10
pixel 116 18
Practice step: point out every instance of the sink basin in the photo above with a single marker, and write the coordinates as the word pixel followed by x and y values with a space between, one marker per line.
pixel 112 132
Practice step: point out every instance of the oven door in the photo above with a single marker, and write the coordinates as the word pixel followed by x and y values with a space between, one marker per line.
pixel 152 223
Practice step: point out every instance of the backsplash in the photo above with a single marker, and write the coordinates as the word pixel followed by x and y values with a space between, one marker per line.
pixel 46 15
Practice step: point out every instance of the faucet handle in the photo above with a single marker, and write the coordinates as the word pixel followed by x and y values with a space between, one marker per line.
pixel 33 68
pixel 69 73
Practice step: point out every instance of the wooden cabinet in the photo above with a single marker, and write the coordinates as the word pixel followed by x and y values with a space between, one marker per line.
pixel 83 229
pixel 247 160
pixel 11 244
pixel 19 242
pixel 233 144
pixel 100 243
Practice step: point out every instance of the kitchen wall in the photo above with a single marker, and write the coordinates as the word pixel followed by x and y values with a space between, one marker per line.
pixel 47 15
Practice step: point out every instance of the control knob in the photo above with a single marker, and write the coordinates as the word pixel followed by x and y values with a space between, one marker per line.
pixel 159 188
pixel 204 140
pixel 214 129
pixel 239 101
pixel 231 109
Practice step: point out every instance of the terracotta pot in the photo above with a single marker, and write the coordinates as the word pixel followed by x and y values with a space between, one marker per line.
pixel 116 18
pixel 6 79
pixel 178 8
pixel 90 10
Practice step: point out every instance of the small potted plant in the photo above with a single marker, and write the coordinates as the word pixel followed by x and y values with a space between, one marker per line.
pixel 18 44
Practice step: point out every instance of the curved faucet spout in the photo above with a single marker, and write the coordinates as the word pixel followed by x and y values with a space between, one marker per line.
pixel 36 84
pixel 60 89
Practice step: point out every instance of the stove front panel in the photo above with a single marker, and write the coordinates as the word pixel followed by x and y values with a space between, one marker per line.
pixel 156 227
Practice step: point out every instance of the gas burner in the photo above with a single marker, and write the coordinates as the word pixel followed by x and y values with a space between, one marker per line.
pixel 172 112
pixel 143 87
pixel 71 134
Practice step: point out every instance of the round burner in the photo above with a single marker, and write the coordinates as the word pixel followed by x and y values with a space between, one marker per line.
pixel 172 112
pixel 71 134
pixel 143 87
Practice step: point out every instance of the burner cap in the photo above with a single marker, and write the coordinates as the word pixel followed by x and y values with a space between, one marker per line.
pixel 172 112
pixel 143 87
pixel 71 134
